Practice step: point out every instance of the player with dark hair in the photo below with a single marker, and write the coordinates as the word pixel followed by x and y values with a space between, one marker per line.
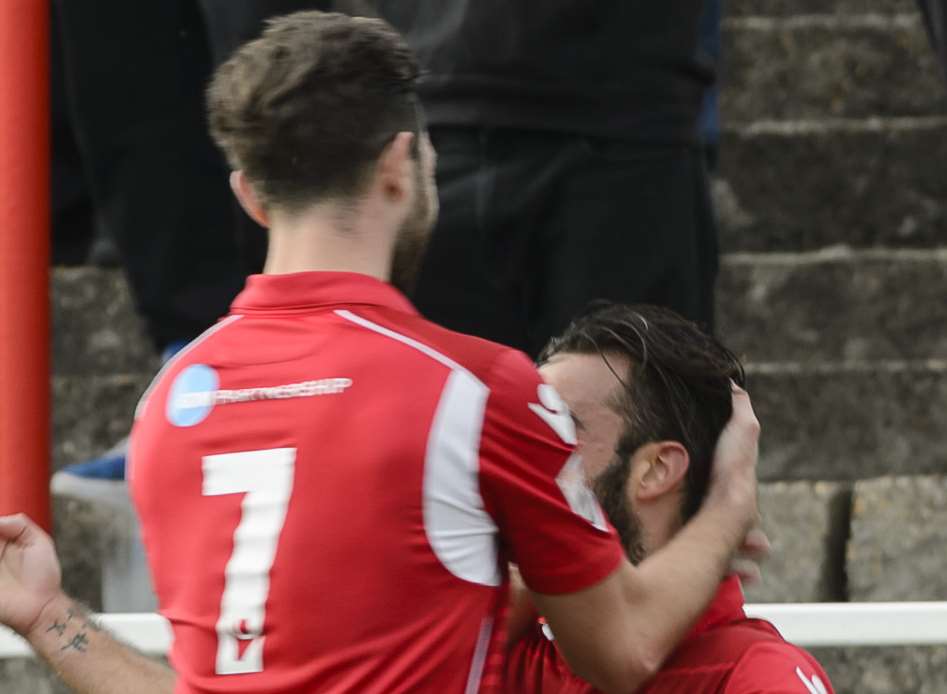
pixel 330 487
pixel 650 393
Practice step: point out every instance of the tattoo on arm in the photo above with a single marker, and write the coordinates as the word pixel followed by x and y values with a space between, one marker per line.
pixel 73 629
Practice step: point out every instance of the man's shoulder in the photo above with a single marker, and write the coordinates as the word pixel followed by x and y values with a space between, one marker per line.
pixel 482 358
pixel 775 665
pixel 740 657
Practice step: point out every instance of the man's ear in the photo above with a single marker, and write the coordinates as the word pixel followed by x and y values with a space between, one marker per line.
pixel 663 471
pixel 394 168
pixel 248 198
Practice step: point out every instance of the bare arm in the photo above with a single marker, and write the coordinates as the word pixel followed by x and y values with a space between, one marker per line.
pixel 616 634
pixel 60 630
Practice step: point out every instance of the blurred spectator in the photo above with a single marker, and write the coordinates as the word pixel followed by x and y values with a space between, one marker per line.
pixel 710 109
pixel 134 75
pixel 72 212
pixel 229 24
pixel 935 19
pixel 569 161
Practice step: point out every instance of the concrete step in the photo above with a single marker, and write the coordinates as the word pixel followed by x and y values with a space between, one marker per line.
pixel 846 361
pixel 808 525
pixel 94 325
pixel 850 420
pixel 802 185
pixel 835 304
pixel 919 670
pixel 829 66
pixel 895 552
pixel 845 420
pixel 898 542
pixel 92 412
pixel 786 8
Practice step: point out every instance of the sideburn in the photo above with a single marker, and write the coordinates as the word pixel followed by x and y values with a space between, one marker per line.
pixel 609 487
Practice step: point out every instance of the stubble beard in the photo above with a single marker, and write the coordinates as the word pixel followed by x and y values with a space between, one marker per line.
pixel 412 240
pixel 609 488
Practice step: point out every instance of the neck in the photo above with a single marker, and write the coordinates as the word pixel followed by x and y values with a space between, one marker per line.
pixel 660 522
pixel 329 237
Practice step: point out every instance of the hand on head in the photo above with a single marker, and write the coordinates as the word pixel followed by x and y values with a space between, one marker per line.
pixel 733 482
pixel 29 572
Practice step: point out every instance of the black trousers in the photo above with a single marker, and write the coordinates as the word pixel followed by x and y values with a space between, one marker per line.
pixel 534 226
pixel 135 74
pixel 935 19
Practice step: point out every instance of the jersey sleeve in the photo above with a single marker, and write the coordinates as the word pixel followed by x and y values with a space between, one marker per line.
pixel 778 668
pixel 533 484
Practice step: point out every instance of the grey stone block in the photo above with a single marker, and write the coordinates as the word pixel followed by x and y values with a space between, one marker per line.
pixel 95 328
pixel 790 186
pixel 850 421
pixel 906 670
pixel 807 523
pixel 834 305
pixel 898 545
pixel 78 532
pixel 91 413
pixel 829 67
pixel 29 676
pixel 736 8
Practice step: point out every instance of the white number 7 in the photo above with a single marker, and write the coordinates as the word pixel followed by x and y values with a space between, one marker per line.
pixel 266 478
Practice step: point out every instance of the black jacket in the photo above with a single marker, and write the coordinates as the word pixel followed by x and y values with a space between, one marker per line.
pixel 625 68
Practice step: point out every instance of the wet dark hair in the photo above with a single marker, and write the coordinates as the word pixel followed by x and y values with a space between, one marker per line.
pixel 306 109
pixel 677 386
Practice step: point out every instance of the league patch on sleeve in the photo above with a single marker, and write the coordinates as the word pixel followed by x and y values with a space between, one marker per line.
pixel 190 398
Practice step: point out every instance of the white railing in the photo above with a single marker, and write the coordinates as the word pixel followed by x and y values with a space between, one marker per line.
pixel 805 624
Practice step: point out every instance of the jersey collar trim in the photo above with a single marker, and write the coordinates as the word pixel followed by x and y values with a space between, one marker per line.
pixel 313 290
pixel 726 607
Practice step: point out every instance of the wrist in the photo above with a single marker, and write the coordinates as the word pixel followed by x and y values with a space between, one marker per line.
pixel 732 513
pixel 52 612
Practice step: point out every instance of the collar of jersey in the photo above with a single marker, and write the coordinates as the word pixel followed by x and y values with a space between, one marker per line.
pixel 726 607
pixel 313 290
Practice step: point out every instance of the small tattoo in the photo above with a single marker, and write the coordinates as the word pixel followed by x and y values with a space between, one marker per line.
pixel 59 628
pixel 78 643
pixel 85 616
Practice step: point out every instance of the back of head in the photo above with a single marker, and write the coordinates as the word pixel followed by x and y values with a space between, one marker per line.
pixel 306 109
pixel 677 386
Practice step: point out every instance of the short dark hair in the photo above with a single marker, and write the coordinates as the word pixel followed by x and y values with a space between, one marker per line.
pixel 305 109
pixel 677 386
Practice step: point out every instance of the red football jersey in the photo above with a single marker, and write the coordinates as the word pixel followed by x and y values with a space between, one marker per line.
pixel 330 488
pixel 726 653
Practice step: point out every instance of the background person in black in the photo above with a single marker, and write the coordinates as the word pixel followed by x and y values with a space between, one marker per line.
pixel 133 80
pixel 569 164
pixel 935 19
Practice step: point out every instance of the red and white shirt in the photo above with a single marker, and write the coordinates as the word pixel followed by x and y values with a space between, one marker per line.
pixel 330 488
pixel 725 653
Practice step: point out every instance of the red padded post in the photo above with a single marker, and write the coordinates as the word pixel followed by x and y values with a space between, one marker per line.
pixel 24 258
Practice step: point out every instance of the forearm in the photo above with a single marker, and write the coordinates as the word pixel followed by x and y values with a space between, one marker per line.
pixel 89 659
pixel 673 587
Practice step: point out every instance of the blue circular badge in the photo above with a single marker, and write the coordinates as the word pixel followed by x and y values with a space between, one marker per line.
pixel 192 395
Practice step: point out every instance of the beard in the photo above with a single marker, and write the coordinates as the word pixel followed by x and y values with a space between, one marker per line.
pixel 412 239
pixel 610 488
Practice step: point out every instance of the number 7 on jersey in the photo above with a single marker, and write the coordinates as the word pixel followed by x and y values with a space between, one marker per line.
pixel 265 477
